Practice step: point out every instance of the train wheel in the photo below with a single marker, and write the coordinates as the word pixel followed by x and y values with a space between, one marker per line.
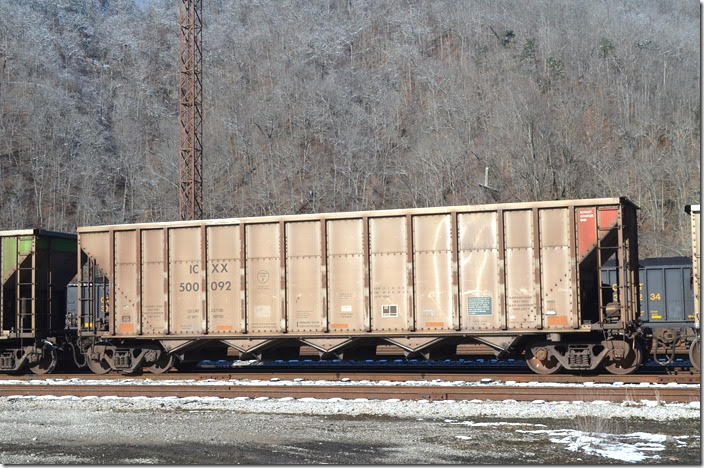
pixel 46 364
pixel 164 364
pixel 695 354
pixel 97 366
pixel 538 361
pixel 628 363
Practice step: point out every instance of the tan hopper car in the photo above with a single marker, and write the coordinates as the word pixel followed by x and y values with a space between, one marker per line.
pixel 520 277
pixel 695 349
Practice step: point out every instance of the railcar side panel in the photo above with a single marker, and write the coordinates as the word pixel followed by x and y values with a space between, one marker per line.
pixel 304 296
pixel 347 297
pixel 696 262
pixel 264 292
pixel 675 294
pixel 96 246
pixel 224 284
pixel 556 270
pixel 482 293
pixel 126 322
pixel 389 278
pixel 520 280
pixel 153 288
pixel 586 233
pixel 432 262
pixel 186 282
pixel 655 293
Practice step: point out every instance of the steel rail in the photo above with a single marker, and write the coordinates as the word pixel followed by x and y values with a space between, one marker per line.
pixel 376 376
pixel 375 392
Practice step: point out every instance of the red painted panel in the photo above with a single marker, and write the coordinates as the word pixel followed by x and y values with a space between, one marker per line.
pixel 608 217
pixel 586 220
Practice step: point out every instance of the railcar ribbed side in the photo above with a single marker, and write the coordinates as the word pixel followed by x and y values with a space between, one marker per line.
pixel 520 277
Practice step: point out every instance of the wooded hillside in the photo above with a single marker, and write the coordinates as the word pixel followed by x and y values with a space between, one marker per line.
pixel 349 104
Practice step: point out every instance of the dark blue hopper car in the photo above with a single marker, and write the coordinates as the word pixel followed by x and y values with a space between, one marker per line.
pixel 99 292
pixel 666 303
pixel 666 298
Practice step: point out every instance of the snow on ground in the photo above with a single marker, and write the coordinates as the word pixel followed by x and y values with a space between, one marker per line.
pixel 576 429
pixel 444 409
pixel 486 382
pixel 635 447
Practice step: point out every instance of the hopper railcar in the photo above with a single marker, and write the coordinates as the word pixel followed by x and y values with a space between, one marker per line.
pixel 35 268
pixel 519 277
pixel 666 304
pixel 695 347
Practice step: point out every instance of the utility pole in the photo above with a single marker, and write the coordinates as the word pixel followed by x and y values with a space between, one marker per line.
pixel 190 110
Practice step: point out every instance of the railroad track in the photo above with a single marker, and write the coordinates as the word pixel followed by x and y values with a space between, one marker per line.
pixel 375 376
pixel 376 392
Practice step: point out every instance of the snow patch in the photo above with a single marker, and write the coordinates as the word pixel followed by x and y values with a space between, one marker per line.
pixel 631 448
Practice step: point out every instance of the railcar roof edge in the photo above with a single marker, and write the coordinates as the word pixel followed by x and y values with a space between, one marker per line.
pixel 657 261
pixel 369 213
pixel 37 232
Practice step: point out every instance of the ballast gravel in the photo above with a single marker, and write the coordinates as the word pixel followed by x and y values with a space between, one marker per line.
pixel 645 409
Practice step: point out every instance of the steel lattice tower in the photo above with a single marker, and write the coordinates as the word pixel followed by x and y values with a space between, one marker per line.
pixel 190 110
